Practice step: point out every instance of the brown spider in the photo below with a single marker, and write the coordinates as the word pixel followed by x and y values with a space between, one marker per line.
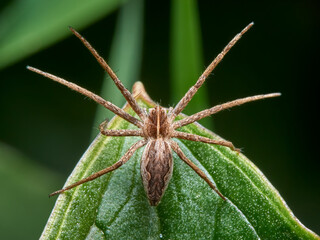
pixel 157 127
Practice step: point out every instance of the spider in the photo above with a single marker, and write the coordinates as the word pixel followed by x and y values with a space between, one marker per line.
pixel 156 126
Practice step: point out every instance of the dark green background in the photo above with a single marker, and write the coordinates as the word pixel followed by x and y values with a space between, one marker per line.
pixel 51 125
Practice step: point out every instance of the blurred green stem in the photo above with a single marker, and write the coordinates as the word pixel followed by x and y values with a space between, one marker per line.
pixel 125 56
pixel 186 55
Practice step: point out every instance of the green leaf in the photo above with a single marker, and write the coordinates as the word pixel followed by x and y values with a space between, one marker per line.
pixel 115 206
pixel 31 25
pixel 186 60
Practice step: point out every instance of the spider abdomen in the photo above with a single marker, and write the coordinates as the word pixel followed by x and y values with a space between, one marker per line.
pixel 156 169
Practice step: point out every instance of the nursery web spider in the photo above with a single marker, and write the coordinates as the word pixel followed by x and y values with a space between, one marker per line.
pixel 157 127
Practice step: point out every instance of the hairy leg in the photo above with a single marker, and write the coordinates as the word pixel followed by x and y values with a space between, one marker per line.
pixel 177 149
pixel 205 113
pixel 113 108
pixel 118 132
pixel 197 138
pixel 118 164
pixel 192 91
pixel 128 96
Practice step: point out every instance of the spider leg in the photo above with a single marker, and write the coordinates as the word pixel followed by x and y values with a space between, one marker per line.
pixel 113 108
pixel 197 138
pixel 127 95
pixel 119 132
pixel 178 150
pixel 192 91
pixel 218 108
pixel 118 164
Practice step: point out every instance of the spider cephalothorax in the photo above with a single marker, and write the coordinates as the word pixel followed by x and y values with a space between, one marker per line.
pixel 157 124
pixel 157 128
